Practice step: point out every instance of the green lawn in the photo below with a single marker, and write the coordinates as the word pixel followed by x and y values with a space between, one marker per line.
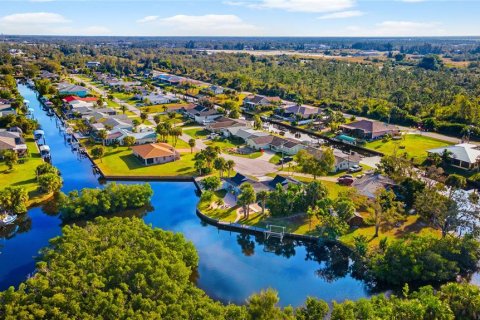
pixel 23 174
pixel 159 108
pixel 198 133
pixel 276 158
pixel 252 155
pixel 127 97
pixel 414 145
pixel 224 143
pixel 120 161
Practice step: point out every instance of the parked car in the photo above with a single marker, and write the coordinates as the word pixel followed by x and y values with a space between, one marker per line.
pixel 355 168
pixel 347 181
pixel 346 176
pixel 285 160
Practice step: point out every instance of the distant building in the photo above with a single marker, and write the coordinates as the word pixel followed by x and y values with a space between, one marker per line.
pixel 257 101
pixel 301 111
pixel 155 153
pixel 216 89
pixel 465 156
pixel 93 64
pixel 369 129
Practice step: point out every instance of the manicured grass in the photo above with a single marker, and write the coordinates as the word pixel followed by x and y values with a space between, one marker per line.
pixel 276 158
pixel 127 97
pixel 333 188
pixel 180 143
pixel 414 145
pixel 158 108
pixel 224 143
pixel 23 174
pixel 252 155
pixel 121 162
pixel 411 225
pixel 198 133
pixel 164 117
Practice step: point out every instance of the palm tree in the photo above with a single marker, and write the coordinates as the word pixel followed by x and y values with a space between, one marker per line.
pixel 175 132
pixel 102 134
pixel 123 108
pixel 191 143
pixel 199 165
pixel 219 164
pixel 262 196
pixel 229 165
pixel 143 116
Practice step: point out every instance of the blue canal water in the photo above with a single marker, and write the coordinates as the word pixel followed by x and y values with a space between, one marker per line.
pixel 232 265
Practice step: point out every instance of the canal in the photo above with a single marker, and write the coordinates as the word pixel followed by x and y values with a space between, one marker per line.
pixel 232 265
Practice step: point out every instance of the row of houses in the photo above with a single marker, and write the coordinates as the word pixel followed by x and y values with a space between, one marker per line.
pixel 260 140
pixel 117 126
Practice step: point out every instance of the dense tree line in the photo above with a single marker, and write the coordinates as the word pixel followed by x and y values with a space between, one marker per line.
pixel 113 198
pixel 128 270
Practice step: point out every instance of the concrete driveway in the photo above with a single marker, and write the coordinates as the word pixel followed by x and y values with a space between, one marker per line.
pixel 252 167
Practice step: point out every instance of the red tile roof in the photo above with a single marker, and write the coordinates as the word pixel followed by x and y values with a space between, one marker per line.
pixel 73 98
pixel 154 150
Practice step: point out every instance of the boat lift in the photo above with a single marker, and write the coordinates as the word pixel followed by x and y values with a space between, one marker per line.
pixel 274 231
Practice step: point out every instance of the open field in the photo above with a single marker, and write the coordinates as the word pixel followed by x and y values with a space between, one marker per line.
pixel 414 145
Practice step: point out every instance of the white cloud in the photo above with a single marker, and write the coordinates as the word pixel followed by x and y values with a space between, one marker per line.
pixel 407 28
pixel 206 25
pixel 34 18
pixel 342 15
pixel 147 19
pixel 314 6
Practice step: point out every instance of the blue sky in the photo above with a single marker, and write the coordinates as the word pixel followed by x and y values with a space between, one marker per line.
pixel 241 17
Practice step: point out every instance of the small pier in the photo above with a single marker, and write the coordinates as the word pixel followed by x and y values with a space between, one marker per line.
pixel 274 231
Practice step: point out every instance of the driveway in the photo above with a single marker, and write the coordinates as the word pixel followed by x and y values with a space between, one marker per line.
pixel 251 167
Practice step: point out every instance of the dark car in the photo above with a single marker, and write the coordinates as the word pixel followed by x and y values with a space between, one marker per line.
pixel 346 181
pixel 285 160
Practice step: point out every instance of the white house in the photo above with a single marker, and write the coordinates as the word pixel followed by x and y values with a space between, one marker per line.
pixel 465 156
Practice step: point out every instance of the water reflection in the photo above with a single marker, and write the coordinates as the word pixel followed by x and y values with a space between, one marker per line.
pixel 232 266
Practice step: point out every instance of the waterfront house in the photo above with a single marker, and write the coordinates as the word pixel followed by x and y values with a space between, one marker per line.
pixel 235 183
pixel 301 111
pixel 13 140
pixel 155 153
pixel 465 156
pixel 369 129
pixel 226 126
pixel 66 89
pixel 6 109
pixel 370 183
pixel 287 146
pixel 277 144
pixel 282 180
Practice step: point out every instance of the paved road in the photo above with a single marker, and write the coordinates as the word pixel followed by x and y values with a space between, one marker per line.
pixel 105 94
